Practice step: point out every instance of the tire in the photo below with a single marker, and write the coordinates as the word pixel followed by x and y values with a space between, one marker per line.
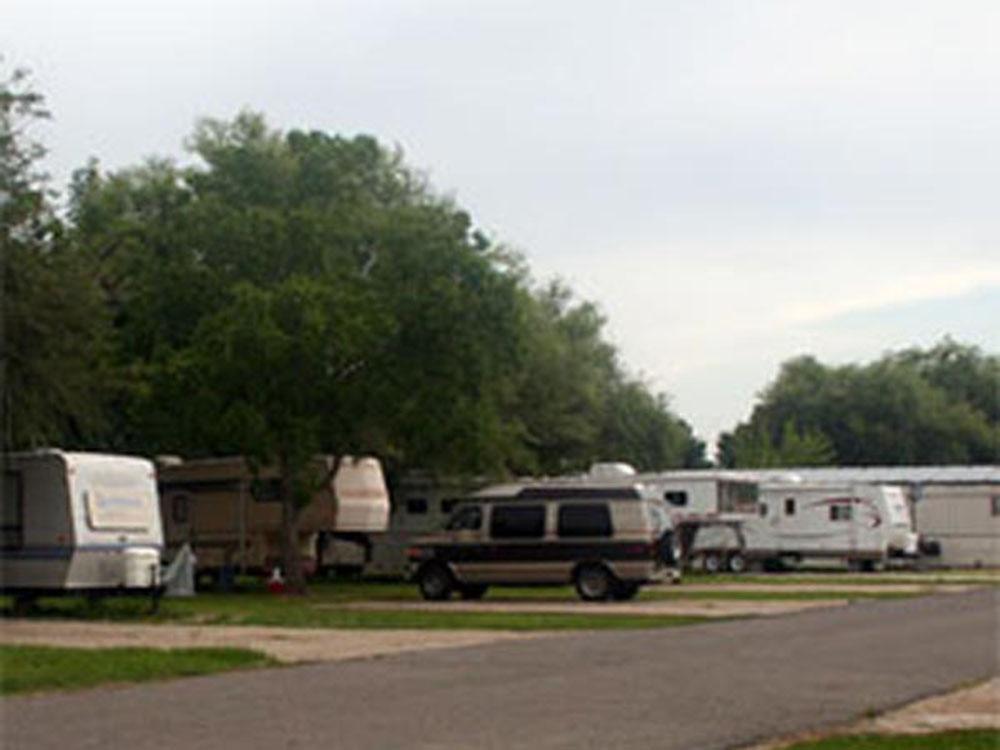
pixel 711 562
pixel 624 591
pixel 473 591
pixel 435 583
pixel 594 583
pixel 737 563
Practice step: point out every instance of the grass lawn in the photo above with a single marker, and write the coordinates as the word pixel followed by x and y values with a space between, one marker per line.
pixel 30 668
pixel 319 609
pixel 985 739
pixel 252 605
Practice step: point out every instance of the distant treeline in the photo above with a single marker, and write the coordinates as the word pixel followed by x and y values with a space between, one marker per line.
pixel 301 292
pixel 935 406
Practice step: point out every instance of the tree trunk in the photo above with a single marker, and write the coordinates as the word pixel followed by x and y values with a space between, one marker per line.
pixel 291 557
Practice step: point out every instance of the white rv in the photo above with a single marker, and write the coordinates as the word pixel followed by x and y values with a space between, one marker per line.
pixel 862 525
pixel 78 523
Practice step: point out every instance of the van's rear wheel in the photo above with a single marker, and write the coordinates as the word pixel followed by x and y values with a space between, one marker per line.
pixel 435 583
pixel 594 583
pixel 625 591
pixel 473 591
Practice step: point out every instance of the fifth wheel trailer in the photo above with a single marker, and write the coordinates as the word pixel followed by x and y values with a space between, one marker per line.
pixel 231 516
pixel 84 523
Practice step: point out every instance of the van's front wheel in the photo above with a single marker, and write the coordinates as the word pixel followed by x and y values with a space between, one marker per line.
pixel 435 582
pixel 594 583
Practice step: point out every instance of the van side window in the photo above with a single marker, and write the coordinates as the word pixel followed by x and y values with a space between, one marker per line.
pixel 678 498
pixel 11 512
pixel 518 522
pixel 584 520
pixel 416 506
pixel 468 519
pixel 789 506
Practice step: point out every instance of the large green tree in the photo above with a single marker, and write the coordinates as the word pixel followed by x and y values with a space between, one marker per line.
pixel 55 335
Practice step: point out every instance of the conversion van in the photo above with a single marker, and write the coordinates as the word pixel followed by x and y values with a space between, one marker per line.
pixel 862 525
pixel 231 515
pixel 79 523
pixel 606 540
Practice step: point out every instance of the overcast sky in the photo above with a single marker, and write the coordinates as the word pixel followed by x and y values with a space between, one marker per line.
pixel 735 183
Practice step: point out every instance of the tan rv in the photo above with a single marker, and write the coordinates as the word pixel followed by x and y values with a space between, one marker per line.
pixel 232 519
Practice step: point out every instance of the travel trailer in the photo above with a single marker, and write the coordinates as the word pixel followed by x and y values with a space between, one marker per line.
pixel 955 508
pixel 83 523
pixel 231 516
pixel 862 525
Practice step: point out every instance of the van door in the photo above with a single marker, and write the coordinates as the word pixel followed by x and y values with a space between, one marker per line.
pixel 466 533
pixel 516 548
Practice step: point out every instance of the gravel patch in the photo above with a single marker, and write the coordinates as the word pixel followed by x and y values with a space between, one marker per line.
pixel 976 707
pixel 284 644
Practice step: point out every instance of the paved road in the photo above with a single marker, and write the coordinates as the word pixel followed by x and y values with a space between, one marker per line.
pixel 714 686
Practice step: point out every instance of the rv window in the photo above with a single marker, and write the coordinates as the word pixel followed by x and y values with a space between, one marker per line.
pixel 466 519
pixel 416 506
pixel 789 506
pixel 584 520
pixel 266 490
pixel 995 505
pixel 448 505
pixel 117 508
pixel 763 510
pixel 518 521
pixel 678 498
pixel 11 512
pixel 840 512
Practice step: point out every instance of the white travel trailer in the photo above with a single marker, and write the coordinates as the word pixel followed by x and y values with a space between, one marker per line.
pixel 79 523
pixel 957 508
pixel 862 525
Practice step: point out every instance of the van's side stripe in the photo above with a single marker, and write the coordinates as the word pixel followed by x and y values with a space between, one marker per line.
pixel 544 551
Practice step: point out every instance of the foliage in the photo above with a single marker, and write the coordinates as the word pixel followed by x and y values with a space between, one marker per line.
pixel 31 668
pixel 55 333
pixel 909 408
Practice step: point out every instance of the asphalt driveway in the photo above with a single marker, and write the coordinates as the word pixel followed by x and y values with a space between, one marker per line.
pixel 709 686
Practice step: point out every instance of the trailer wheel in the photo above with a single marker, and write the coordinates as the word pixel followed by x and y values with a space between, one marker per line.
pixel 594 583
pixel 435 582
pixel 711 562
pixel 737 563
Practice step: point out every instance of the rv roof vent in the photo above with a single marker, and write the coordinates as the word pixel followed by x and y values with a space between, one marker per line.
pixel 611 470
pixel 168 460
